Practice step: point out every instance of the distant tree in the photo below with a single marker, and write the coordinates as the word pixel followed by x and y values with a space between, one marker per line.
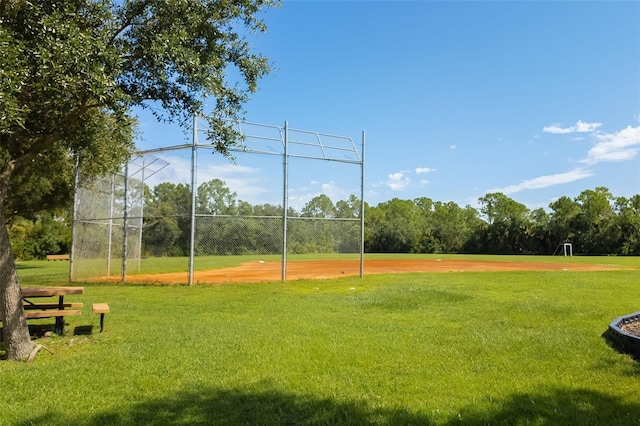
pixel 395 227
pixel 453 226
pixel 349 208
pixel 167 220
pixel 71 70
pixel 428 242
pixel 509 223
pixel 244 208
pixel 34 239
pixel 541 241
pixel 593 224
pixel 319 206
pixel 563 220
pixel 628 225
pixel 215 198
pixel 269 210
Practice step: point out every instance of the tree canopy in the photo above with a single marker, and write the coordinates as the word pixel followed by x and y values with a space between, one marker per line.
pixel 70 73
pixel 596 222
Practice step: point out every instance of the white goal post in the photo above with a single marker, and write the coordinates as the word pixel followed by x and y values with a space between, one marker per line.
pixel 565 249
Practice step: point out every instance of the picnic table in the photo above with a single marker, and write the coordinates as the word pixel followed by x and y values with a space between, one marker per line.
pixel 34 309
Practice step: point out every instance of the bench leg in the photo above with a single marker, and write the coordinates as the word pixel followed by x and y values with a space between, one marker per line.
pixel 101 322
pixel 60 320
pixel 59 326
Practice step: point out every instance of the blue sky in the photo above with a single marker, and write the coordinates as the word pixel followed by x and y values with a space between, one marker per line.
pixel 533 99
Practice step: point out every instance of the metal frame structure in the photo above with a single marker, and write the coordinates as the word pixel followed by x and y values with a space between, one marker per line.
pixel 291 143
pixel 146 171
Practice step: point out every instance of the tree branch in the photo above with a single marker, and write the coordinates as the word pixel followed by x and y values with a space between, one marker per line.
pixel 129 21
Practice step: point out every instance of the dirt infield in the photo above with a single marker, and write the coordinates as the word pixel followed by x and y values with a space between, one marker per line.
pixel 258 271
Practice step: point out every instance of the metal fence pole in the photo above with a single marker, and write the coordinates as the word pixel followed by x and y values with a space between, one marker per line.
pixel 124 223
pixel 141 218
pixel 192 237
pixel 285 200
pixel 112 190
pixel 362 208
pixel 74 217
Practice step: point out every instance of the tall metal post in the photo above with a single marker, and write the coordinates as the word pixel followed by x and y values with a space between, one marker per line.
pixel 74 217
pixel 362 208
pixel 285 201
pixel 124 222
pixel 141 218
pixel 112 191
pixel 192 236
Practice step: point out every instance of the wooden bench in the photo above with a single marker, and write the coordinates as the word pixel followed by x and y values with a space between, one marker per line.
pixel 57 257
pixel 30 306
pixel 51 313
pixel 57 313
pixel 101 308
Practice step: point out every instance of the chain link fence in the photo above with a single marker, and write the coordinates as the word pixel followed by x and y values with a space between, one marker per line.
pixel 102 244
pixel 236 236
pixel 148 211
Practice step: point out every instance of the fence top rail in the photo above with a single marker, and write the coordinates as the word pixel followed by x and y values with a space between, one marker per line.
pixel 250 132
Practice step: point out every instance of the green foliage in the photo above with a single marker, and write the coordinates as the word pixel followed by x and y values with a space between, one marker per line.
pixel 397 228
pixel 167 220
pixel 215 198
pixel 627 223
pixel 595 222
pixel 504 348
pixel 72 70
pixel 36 239
pixel 320 206
pixel 230 226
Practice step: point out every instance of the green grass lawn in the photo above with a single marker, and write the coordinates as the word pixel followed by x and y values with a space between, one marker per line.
pixel 508 348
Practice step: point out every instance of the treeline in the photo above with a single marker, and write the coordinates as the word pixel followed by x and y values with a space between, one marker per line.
pixel 226 225
pixel 595 222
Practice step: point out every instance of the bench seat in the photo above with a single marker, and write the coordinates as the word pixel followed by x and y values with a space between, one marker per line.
pixel 100 308
pixel 29 306
pixel 57 257
pixel 51 313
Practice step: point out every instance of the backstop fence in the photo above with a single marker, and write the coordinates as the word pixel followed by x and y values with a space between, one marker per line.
pixel 173 202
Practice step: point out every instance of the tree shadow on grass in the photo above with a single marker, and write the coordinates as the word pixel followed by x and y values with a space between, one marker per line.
pixel 555 406
pixel 241 407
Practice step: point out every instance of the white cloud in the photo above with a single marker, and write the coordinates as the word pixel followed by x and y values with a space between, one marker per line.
pixel 452 147
pixel 335 192
pixel 424 182
pixel 619 146
pixel 245 181
pixel 299 197
pixel 398 181
pixel 421 170
pixel 579 127
pixel 545 181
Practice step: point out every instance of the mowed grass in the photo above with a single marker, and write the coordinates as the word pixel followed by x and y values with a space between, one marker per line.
pixel 447 348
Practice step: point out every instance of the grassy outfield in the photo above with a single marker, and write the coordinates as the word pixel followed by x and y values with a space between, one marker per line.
pixel 448 348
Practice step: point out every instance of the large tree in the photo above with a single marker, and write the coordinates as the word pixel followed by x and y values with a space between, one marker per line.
pixel 70 72
pixel 508 223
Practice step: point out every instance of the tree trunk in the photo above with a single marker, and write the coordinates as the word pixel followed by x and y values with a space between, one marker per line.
pixel 14 325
